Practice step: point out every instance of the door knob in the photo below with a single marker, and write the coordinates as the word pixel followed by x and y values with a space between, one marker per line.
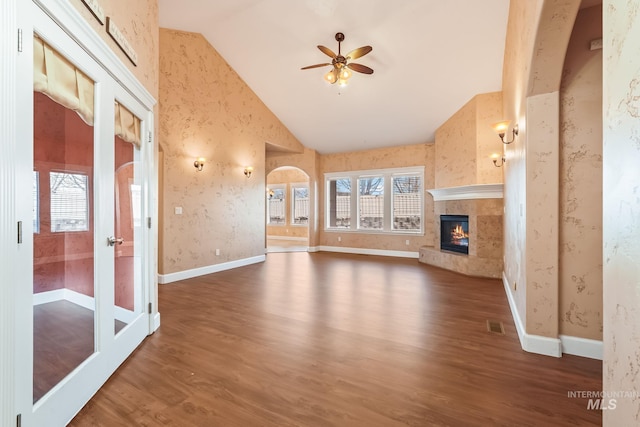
pixel 111 241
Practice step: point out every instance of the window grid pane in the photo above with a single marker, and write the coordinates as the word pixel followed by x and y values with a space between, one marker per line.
pixel 300 205
pixel 339 203
pixel 407 202
pixel 69 202
pixel 276 205
pixel 371 203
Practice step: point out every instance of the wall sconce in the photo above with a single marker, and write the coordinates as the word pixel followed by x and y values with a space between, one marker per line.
pixel 248 170
pixel 501 128
pixel 199 163
pixel 497 157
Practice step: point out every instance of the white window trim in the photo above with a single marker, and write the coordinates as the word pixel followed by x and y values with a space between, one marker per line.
pixel 282 187
pixel 388 175
pixel 292 187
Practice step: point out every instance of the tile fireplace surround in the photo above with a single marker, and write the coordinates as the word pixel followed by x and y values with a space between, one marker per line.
pixel 483 204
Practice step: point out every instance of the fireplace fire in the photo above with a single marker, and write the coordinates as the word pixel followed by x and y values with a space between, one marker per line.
pixel 454 233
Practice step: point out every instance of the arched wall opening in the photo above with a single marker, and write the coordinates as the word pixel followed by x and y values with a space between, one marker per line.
pixel 538 39
pixel 288 210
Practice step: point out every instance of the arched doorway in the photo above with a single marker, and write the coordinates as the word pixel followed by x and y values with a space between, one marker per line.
pixel 288 210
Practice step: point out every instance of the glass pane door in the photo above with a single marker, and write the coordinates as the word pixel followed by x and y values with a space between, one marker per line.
pixel 128 233
pixel 63 243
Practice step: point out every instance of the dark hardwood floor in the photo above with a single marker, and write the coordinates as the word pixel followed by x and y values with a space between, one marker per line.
pixel 62 340
pixel 339 340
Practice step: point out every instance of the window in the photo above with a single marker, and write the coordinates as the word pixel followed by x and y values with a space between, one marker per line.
pixel 388 200
pixel 276 207
pixel 69 202
pixel 300 204
pixel 407 202
pixel 339 203
pixel 371 203
pixel 36 202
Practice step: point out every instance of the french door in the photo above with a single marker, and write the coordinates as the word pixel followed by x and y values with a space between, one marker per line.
pixel 85 175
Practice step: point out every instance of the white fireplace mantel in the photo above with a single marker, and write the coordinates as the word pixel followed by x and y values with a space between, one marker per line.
pixel 468 192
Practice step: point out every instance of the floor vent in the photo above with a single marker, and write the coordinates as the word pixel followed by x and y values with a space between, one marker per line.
pixel 495 327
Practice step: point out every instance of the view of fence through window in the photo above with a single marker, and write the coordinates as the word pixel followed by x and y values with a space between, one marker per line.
pixel 300 205
pixel 69 202
pixel 386 201
pixel 371 203
pixel 407 202
pixel 276 207
pixel 340 203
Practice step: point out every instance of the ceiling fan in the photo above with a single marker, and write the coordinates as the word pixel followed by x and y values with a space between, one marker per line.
pixel 342 66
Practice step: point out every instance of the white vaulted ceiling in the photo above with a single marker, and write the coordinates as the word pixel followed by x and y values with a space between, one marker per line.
pixel 430 57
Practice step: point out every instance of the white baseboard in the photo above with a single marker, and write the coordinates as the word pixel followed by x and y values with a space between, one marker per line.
pixel 80 299
pixel 48 296
pixel 67 295
pixel 593 349
pixel 164 279
pixel 292 249
pixel 156 322
pixel 363 251
pixel 292 238
pixel 531 343
pixel 313 249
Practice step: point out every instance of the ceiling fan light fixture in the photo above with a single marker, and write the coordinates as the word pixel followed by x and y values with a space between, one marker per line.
pixel 330 76
pixel 345 73
pixel 342 68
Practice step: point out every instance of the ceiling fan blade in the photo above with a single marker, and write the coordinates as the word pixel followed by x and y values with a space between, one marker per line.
pixel 327 51
pixel 360 68
pixel 315 66
pixel 359 52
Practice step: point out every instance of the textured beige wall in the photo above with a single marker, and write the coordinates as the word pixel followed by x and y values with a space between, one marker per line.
pixel 455 148
pixel 542 154
pixel 581 181
pixel 138 21
pixel 537 36
pixel 393 157
pixel 465 142
pixel 287 177
pixel 621 219
pixel 488 111
pixel 521 32
pixel 207 110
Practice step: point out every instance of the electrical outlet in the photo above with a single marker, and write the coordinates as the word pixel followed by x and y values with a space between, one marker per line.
pixel 178 210
pixel 406 242
pixel 339 238
pixel 217 252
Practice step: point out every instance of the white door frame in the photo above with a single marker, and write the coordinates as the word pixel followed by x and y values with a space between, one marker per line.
pixel 16 298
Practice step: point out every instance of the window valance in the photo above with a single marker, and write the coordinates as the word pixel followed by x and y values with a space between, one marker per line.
pixel 61 81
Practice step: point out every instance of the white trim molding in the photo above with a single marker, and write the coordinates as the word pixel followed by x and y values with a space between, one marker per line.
pixel 292 238
pixel 156 322
pixel 164 279
pixel 364 251
pixel 593 349
pixel 531 343
pixel 468 192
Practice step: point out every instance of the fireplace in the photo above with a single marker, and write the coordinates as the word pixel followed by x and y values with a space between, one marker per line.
pixel 454 233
